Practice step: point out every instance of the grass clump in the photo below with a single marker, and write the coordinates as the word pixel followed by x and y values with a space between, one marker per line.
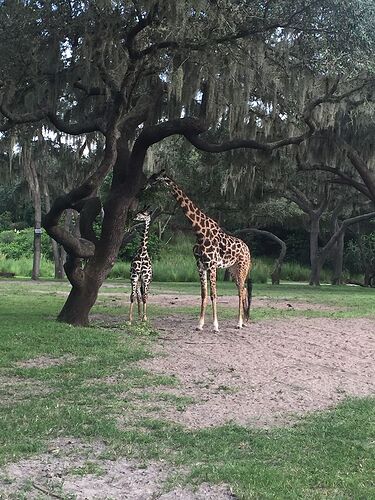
pixel 23 266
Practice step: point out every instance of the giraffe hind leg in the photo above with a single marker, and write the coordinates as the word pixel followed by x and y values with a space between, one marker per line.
pixel 237 274
pixel 203 280
pixel 213 293
pixel 144 291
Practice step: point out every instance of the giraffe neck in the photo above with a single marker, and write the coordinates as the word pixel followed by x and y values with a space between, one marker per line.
pixel 144 240
pixel 196 217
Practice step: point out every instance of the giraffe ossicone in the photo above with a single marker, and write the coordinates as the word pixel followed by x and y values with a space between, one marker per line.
pixel 141 270
pixel 214 249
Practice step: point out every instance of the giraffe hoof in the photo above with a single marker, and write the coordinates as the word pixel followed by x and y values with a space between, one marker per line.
pixel 239 327
pixel 199 328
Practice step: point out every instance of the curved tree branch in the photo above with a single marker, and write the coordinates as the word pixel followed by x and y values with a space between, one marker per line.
pixel 191 128
pixel 144 22
pixel 275 275
pixel 204 145
pixel 299 198
pixel 90 125
pixel 81 247
pixel 193 45
pixel 342 178
pixel 344 225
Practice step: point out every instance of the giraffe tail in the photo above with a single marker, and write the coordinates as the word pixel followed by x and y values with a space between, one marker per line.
pixel 247 302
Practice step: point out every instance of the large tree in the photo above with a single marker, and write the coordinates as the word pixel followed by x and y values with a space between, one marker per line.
pixel 138 72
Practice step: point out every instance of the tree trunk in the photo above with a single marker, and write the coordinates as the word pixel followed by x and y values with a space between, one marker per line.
pixel 37 249
pixel 316 268
pixel 58 252
pixel 33 182
pixel 79 303
pixel 87 282
pixel 276 273
pixel 314 251
pixel 338 259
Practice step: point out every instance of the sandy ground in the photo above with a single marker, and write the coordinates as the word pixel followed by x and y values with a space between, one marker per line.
pixel 56 474
pixel 266 373
pixel 173 300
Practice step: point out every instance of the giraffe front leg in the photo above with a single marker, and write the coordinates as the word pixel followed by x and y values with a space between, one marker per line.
pixel 213 293
pixel 134 282
pixel 203 280
pixel 144 289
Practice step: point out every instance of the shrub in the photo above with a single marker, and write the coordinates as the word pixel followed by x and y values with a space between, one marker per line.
pixel 18 244
pixel 5 221
pixel 356 259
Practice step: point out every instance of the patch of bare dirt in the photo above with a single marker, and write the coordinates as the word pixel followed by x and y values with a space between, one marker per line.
pixel 171 300
pixel 266 374
pixel 44 362
pixel 174 300
pixel 62 473
pixel 15 389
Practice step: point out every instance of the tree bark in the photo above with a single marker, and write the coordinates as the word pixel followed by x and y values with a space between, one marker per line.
pixel 57 250
pixel 34 186
pixel 79 302
pixel 87 276
pixel 315 258
pixel 338 260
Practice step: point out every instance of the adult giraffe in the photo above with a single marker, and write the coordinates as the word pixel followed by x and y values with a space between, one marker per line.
pixel 214 249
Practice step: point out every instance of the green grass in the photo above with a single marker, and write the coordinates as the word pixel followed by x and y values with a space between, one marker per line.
pixel 327 455
pixel 175 264
pixel 24 267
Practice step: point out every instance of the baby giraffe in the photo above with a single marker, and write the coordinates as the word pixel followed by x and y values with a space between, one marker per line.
pixel 214 249
pixel 141 270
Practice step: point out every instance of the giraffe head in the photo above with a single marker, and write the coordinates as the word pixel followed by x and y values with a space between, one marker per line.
pixel 143 215
pixel 158 178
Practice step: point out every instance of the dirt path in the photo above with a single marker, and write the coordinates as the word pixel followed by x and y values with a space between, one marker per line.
pixel 267 373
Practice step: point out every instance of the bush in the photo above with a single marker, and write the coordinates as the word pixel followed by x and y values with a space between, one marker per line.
pixel 19 244
pixel 5 221
pixel 355 260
